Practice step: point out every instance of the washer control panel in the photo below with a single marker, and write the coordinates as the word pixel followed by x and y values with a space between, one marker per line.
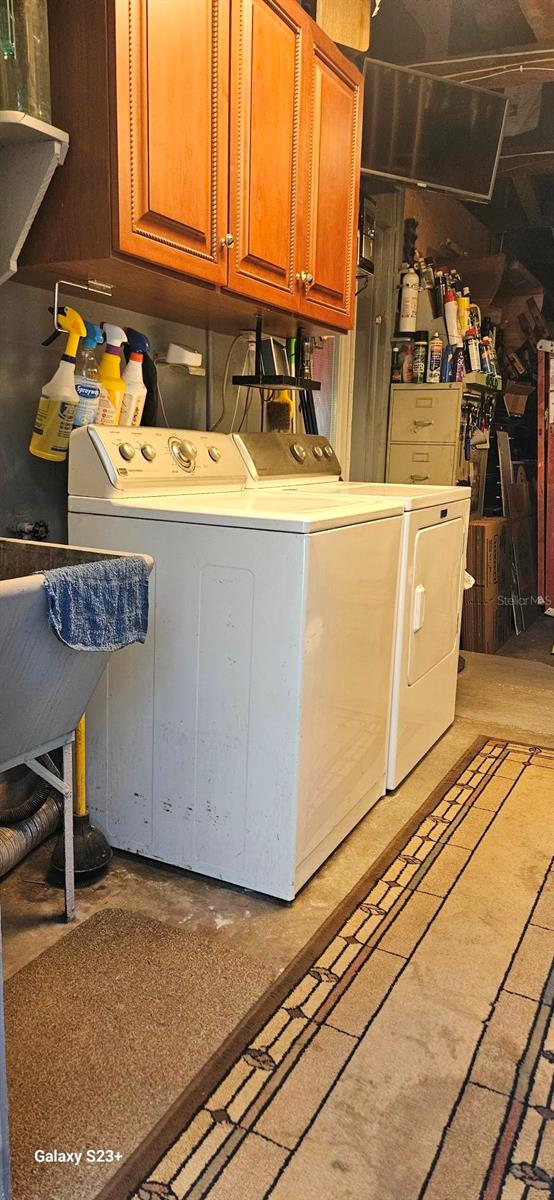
pixel 106 460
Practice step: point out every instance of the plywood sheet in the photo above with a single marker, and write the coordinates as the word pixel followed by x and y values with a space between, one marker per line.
pixel 346 22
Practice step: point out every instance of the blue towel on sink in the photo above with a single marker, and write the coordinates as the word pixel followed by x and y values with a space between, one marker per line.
pixel 99 605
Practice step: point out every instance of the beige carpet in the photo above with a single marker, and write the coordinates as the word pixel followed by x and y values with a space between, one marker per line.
pixel 413 1055
pixel 103 1031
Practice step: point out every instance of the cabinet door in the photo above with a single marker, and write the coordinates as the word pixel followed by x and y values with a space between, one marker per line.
pixel 266 55
pixel 172 71
pixel 330 212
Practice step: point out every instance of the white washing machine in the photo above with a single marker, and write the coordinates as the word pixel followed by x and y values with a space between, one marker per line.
pixel 434 543
pixel 241 741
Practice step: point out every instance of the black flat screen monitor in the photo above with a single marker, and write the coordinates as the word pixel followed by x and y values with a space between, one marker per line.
pixel 425 130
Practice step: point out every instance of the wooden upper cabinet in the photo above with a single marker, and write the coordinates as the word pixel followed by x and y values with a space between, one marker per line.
pixel 265 140
pixel 333 98
pixel 172 73
pixel 212 142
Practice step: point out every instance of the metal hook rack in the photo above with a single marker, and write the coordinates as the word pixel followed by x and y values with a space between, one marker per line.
pixel 300 382
pixel 93 286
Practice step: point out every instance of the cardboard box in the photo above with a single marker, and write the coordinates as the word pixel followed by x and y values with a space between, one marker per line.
pixel 486 624
pixel 488 556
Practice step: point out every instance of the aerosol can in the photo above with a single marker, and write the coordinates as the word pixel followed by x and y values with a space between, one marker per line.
pixel 435 359
pixel 471 350
pixel 59 400
pixel 110 375
pixel 451 318
pixel 135 388
pixel 409 296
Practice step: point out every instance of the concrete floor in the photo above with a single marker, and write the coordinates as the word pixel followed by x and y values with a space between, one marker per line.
pixel 535 643
pixel 497 696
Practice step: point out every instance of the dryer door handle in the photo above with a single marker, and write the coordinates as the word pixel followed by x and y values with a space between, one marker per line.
pixel 419 607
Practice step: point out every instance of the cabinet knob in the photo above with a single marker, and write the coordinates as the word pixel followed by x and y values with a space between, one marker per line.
pixel 307 279
pixel 228 240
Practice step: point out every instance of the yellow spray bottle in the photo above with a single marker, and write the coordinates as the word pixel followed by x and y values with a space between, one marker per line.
pixel 110 376
pixel 59 400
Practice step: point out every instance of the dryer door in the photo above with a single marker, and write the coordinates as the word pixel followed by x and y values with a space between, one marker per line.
pixel 435 599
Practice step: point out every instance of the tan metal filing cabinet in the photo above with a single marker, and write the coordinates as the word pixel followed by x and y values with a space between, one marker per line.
pixel 424 444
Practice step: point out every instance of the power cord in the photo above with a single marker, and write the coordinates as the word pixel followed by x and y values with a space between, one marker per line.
pixel 247 405
pixel 160 398
pixel 224 385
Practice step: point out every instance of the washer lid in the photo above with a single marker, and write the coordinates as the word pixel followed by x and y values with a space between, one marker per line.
pixel 410 496
pixel 286 510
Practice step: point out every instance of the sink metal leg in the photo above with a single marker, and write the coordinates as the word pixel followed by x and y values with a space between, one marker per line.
pixel 69 876
pixel 5 1173
pixel 65 787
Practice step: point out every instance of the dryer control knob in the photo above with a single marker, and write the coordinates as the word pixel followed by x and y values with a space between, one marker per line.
pixel 318 452
pixel 148 452
pixel 327 451
pixel 127 451
pixel 187 450
pixel 298 452
pixel 214 453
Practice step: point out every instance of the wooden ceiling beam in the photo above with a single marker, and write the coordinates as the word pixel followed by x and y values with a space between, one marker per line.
pixel 513 77
pixel 539 15
pixel 527 196
pixel 434 19
pixel 532 161
pixel 501 69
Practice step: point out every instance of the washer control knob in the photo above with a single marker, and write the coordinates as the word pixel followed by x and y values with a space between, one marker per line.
pixel 148 452
pixel 214 453
pixel 298 452
pixel 327 451
pixel 127 451
pixel 318 452
pixel 184 453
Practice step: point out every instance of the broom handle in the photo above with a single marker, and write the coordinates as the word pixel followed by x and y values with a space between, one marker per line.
pixel 80 801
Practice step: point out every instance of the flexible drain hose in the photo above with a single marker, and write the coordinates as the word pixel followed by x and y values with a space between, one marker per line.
pixel 22 792
pixel 25 823
pixel 18 840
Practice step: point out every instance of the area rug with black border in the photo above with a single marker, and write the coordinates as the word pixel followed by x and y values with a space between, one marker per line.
pixel 408 1051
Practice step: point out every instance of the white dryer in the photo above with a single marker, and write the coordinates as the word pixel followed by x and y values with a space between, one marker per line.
pixel 241 741
pixel 434 543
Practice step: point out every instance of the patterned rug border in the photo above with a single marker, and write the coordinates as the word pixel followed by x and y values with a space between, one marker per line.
pixel 134 1169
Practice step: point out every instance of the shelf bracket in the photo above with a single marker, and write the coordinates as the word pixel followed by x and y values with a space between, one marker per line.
pixel 29 154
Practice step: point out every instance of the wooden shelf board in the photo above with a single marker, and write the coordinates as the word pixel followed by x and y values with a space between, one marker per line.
pixel 30 151
pixel 20 127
